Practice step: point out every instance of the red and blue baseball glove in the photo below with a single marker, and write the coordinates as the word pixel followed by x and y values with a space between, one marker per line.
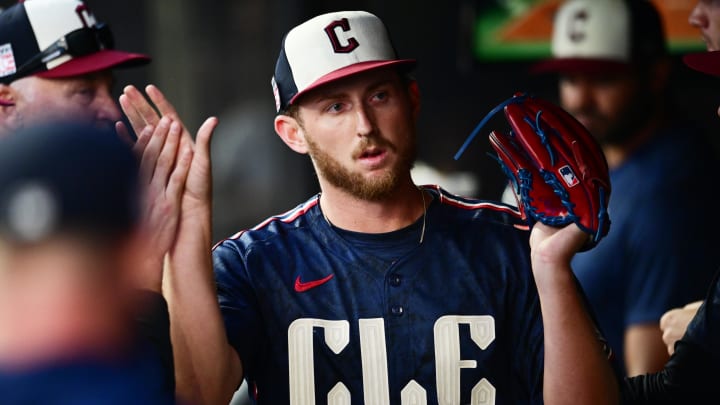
pixel 556 168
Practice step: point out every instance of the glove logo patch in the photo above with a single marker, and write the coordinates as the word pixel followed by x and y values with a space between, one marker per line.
pixel 567 174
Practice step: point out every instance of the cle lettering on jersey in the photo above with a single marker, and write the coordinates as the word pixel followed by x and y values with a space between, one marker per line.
pixel 376 390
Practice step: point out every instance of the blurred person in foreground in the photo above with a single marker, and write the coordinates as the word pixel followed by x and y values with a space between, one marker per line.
pixel 614 72
pixel 71 243
pixel 57 62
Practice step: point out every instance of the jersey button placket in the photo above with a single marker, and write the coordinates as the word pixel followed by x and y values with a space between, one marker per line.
pixel 394 280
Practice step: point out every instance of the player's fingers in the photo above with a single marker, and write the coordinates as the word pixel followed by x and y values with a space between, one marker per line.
pixel 176 183
pixel 202 141
pixel 166 160
pixel 667 318
pixel 153 149
pixel 167 109
pixel 143 140
pixel 141 105
pixel 160 101
pixel 136 120
pixel 123 133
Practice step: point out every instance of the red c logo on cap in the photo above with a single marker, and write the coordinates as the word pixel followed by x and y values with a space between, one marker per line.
pixel 576 28
pixel 343 24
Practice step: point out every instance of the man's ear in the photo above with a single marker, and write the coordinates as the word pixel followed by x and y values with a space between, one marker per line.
pixel 414 92
pixel 8 118
pixel 291 132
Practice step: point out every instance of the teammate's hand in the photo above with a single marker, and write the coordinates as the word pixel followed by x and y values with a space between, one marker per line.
pixel 198 188
pixel 141 112
pixel 552 248
pixel 164 166
pixel 674 323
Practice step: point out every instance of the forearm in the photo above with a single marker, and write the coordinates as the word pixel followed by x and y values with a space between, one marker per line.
pixel 645 351
pixel 577 370
pixel 207 368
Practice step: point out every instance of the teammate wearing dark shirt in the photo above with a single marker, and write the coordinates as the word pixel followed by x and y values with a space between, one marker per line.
pixel 692 373
pixel 395 313
pixel 374 291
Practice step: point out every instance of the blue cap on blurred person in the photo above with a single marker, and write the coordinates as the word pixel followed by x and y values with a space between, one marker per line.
pixel 66 178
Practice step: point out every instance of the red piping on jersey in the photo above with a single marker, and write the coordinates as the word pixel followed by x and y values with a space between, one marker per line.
pixel 287 217
pixel 446 198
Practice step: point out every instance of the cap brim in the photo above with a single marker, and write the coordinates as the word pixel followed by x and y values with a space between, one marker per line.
pixel 580 65
pixel 98 61
pixel 705 62
pixel 406 64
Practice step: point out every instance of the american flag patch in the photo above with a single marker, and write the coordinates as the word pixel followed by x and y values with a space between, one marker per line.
pixel 7 60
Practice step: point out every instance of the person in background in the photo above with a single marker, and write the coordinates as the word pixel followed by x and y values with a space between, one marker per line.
pixel 613 69
pixel 705 17
pixel 57 62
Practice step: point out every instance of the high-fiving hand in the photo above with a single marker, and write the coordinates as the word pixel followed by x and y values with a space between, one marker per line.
pixel 175 169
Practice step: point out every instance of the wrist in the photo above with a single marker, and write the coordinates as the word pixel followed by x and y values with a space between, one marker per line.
pixel 148 275
pixel 552 275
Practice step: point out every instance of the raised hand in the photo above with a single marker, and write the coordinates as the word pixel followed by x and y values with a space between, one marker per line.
pixel 142 112
pixel 674 323
pixel 164 166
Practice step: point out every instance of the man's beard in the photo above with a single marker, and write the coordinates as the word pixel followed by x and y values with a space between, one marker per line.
pixel 375 189
pixel 627 124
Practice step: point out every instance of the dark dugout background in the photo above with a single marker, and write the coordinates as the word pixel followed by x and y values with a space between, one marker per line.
pixel 216 57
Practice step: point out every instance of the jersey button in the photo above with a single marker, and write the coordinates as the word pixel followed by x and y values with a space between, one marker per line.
pixel 395 280
pixel 397 310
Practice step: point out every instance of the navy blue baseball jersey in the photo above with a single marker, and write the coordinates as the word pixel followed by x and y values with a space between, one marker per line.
pixel 320 315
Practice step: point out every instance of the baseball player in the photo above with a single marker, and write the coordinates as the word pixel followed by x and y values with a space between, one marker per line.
pixel 691 374
pixel 613 69
pixel 705 16
pixel 70 242
pixel 375 290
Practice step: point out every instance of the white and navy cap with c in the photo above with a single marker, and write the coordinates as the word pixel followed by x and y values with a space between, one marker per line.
pixel 594 36
pixel 56 38
pixel 329 47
